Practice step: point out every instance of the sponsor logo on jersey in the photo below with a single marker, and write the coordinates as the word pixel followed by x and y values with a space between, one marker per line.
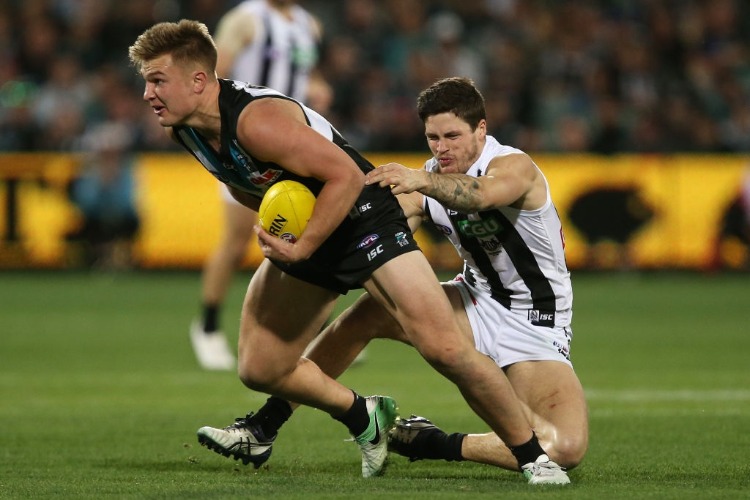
pixel 541 318
pixel 479 228
pixel 368 241
pixel 254 175
pixel 305 57
pixel 491 245
pixel 265 179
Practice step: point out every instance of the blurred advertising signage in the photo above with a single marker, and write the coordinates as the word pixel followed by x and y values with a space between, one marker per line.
pixel 618 212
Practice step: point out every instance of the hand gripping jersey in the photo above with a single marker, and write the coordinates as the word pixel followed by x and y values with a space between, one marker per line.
pixel 516 256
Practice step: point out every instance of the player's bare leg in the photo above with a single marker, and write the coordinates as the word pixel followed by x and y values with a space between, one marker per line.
pixel 217 274
pixel 342 341
pixel 437 336
pixel 281 315
pixel 554 401
pixel 209 342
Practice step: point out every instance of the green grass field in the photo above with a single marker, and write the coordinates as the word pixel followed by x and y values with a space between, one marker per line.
pixel 101 397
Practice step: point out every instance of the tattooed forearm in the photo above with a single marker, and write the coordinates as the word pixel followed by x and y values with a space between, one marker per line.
pixel 455 191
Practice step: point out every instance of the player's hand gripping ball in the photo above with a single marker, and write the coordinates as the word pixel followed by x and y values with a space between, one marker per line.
pixel 285 209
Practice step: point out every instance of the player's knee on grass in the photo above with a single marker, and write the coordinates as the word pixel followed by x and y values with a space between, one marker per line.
pixel 567 450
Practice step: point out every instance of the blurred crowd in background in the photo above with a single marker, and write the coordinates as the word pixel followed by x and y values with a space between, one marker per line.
pixel 558 76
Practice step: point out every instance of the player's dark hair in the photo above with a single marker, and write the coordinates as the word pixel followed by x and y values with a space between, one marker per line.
pixel 455 95
pixel 186 41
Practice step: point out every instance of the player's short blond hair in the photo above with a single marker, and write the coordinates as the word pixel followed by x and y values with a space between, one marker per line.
pixel 188 42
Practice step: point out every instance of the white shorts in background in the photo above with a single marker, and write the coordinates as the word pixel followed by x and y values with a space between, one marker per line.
pixel 507 336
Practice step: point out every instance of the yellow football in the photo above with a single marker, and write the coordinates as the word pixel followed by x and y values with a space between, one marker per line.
pixel 285 209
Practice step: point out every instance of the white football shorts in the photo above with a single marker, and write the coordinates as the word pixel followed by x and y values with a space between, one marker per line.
pixel 507 336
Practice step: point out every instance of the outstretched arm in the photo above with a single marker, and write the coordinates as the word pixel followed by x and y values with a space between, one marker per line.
pixel 509 179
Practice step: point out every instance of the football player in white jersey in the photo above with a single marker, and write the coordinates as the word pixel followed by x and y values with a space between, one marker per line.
pixel 273 43
pixel 513 299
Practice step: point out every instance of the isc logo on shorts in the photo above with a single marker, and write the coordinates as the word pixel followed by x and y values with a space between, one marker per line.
pixel 542 318
pixel 374 252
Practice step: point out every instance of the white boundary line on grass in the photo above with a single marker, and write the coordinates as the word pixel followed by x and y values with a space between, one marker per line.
pixel 645 395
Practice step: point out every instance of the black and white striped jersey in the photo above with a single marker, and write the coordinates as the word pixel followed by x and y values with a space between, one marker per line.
pixel 517 256
pixel 283 52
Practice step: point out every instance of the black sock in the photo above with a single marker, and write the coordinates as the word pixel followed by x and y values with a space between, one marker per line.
pixel 356 418
pixel 210 317
pixel 527 452
pixel 272 416
pixel 437 445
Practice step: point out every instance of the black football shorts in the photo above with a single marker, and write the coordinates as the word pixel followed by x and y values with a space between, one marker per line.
pixel 375 232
